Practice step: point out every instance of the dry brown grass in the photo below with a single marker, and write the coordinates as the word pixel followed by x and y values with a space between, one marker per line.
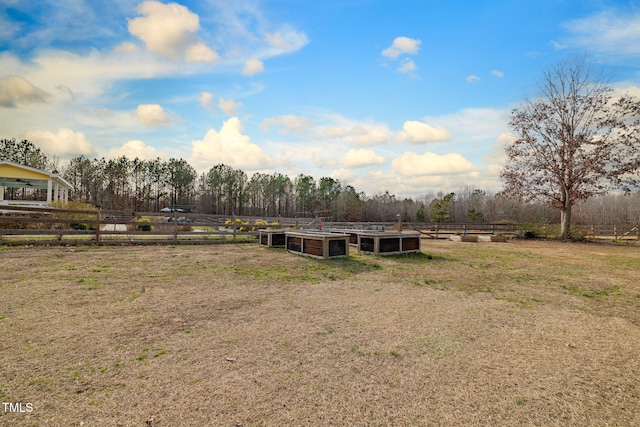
pixel 523 333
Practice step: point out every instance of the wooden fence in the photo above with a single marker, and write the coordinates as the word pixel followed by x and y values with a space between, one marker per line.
pixel 33 225
pixel 611 232
pixel 28 225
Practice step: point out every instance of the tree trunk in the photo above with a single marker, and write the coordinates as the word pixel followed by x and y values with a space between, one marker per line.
pixel 565 222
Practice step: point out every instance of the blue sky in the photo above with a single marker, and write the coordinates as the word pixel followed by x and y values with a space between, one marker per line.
pixel 404 96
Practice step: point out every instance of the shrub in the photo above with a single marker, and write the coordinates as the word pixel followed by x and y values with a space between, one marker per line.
pixel 144 227
pixel 81 221
pixel 531 230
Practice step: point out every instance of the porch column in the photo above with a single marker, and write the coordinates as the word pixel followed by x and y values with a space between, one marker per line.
pixel 56 192
pixel 49 190
pixel 65 195
pixel 1 192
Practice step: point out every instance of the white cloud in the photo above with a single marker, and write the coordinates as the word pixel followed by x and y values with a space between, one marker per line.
pixel 374 182
pixel 289 124
pixel 631 91
pixel 90 75
pixel 164 31
pixel 167 29
pixel 152 115
pixel 607 32
pixel 474 124
pixel 229 106
pixel 472 78
pixel 335 132
pixel 497 73
pixel 125 48
pixel 133 149
pixel 252 67
pixel 407 66
pixel 369 136
pixel 206 101
pixel 287 40
pixel 64 144
pixel 429 164
pixel 497 159
pixel 345 176
pixel 320 160
pixel 17 90
pixel 402 45
pixel 361 158
pixel 418 132
pixel 229 146
pixel 199 52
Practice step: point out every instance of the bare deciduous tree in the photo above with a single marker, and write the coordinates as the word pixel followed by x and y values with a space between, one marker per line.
pixel 578 139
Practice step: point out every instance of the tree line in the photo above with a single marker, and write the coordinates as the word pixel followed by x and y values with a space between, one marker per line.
pixel 150 185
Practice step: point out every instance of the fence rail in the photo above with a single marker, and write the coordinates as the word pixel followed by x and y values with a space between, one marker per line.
pixel 20 225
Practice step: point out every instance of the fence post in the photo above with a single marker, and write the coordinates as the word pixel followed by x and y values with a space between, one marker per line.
pixel 638 232
pixel 98 219
pixel 615 232
pixel 436 231
pixel 234 227
pixel 175 227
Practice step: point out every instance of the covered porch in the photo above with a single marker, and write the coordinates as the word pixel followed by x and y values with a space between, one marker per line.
pixel 26 186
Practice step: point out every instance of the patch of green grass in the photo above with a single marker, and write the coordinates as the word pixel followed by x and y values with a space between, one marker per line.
pixel 160 353
pixel 360 352
pixel 412 257
pixel 271 272
pixel 326 329
pixel 101 267
pixel 522 278
pixel 394 353
pixel 89 284
pixel 523 303
pixel 38 382
pixel 599 294
pixel 443 345
pixel 430 283
pixel 141 357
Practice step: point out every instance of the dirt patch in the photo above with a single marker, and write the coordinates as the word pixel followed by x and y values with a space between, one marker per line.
pixel 523 333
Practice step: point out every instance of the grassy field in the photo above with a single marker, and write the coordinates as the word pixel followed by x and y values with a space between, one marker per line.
pixel 522 333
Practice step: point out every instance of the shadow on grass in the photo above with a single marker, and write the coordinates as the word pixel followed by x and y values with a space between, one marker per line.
pixel 416 258
pixel 353 264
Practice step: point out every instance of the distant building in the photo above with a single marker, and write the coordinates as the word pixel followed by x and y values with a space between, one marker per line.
pixel 25 186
